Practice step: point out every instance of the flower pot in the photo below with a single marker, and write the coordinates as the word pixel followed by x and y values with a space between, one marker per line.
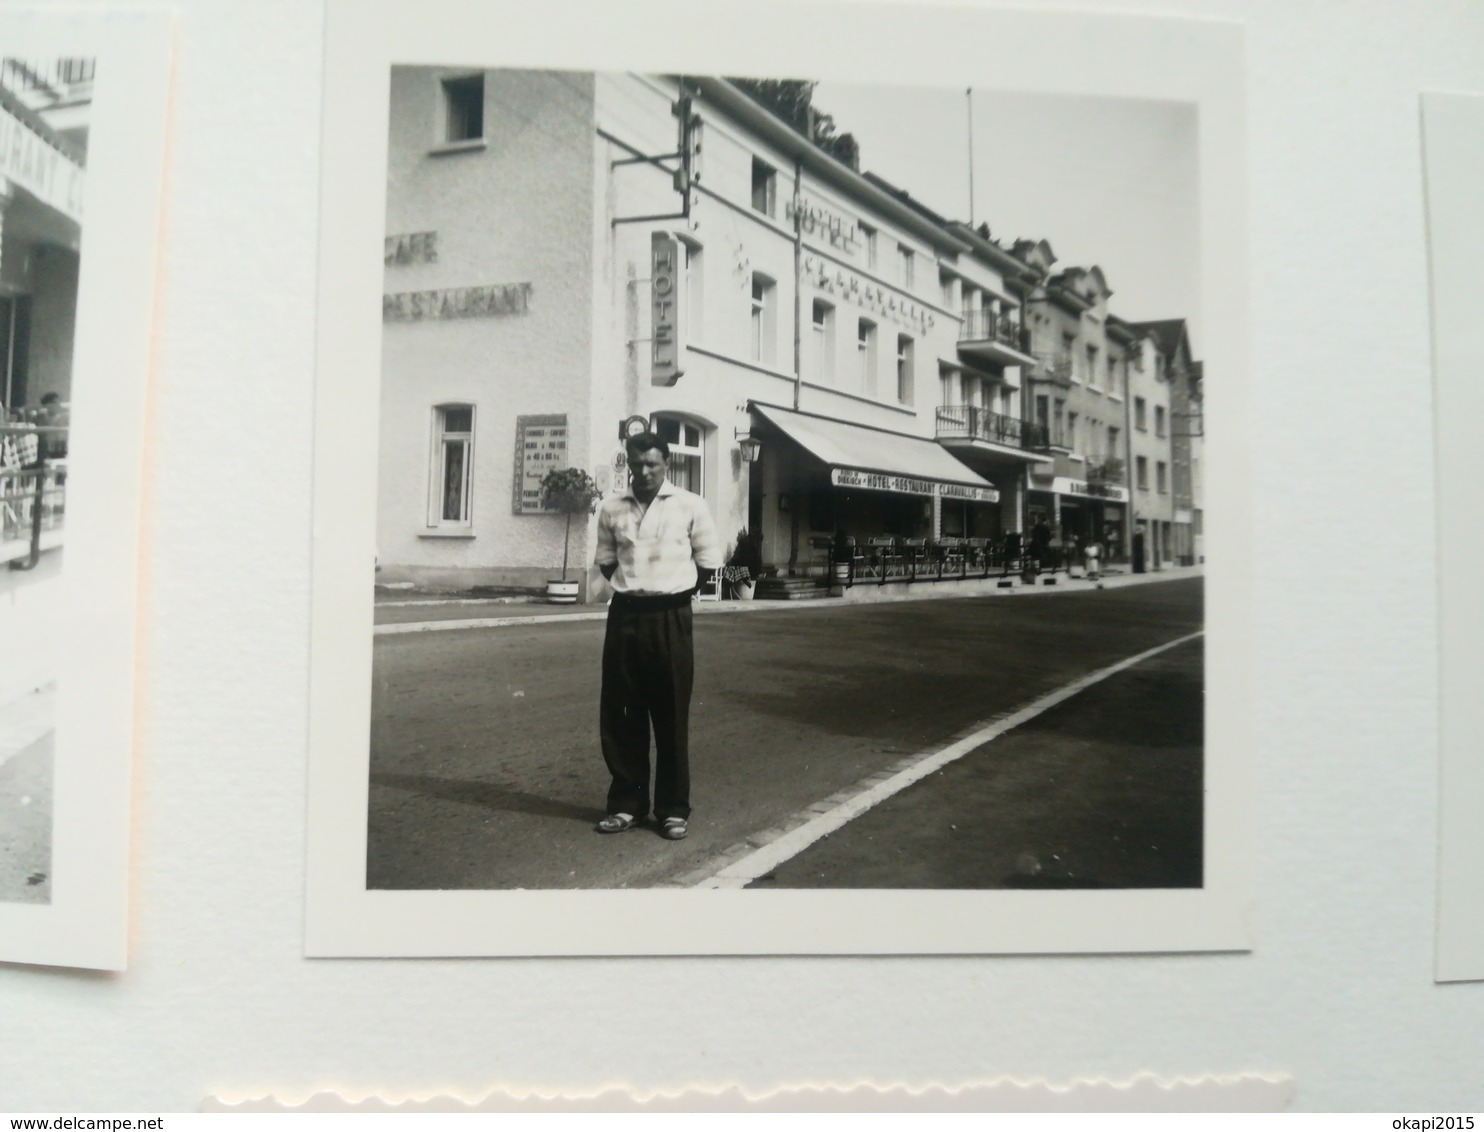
pixel 561 593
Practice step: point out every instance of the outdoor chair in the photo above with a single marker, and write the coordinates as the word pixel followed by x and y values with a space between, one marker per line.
pixel 881 556
pixel 948 553
pixel 914 556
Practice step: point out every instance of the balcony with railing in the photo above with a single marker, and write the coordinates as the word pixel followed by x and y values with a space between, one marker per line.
pixel 33 492
pixel 991 335
pixel 967 422
pixel 1109 471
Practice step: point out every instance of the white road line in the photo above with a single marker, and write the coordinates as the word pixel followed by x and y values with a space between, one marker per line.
pixel 742 872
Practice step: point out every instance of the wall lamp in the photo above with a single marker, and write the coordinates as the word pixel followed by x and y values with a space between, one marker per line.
pixel 751 447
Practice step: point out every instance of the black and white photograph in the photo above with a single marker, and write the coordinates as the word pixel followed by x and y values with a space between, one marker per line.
pixel 44 111
pixel 856 419
pixel 786 484
pixel 82 113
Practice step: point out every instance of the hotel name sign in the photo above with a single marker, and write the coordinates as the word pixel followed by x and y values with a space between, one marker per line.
pixel 824 224
pixel 667 341
pixel 911 485
pixel 832 279
pixel 40 168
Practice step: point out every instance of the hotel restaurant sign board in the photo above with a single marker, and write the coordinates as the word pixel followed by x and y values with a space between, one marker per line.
pixel 911 485
pixel 540 447
pixel 30 161
pixel 1064 485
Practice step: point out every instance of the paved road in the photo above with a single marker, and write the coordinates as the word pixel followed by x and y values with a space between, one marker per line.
pixel 1101 791
pixel 485 771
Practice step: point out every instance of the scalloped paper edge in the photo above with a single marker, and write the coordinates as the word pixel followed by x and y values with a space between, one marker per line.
pixel 1146 1092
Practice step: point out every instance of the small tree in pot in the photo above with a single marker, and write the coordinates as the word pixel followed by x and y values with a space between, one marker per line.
pixel 568 491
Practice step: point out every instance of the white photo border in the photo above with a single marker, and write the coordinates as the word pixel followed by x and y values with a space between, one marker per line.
pixel 1197 61
pixel 85 924
pixel 1453 155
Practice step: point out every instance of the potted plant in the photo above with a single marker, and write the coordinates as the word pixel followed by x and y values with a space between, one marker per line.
pixel 568 491
pixel 744 566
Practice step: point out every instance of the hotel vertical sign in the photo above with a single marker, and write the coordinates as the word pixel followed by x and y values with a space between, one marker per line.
pixel 667 341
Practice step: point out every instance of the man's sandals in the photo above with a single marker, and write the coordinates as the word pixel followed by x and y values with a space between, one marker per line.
pixel 618 823
pixel 671 829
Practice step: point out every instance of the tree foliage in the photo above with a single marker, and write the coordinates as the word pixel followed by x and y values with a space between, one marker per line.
pixel 793 101
pixel 569 491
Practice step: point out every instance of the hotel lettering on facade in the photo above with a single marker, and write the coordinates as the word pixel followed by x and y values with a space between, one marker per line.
pixel 568 252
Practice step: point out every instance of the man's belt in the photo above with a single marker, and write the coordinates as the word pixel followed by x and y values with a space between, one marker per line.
pixel 641 602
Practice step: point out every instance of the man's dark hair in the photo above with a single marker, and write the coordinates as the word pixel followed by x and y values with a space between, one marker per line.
pixel 642 442
pixel 51 398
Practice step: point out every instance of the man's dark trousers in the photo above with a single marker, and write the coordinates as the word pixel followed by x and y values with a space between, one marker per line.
pixel 648 670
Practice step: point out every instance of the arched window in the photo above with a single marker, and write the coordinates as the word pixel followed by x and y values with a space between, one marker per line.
pixel 452 471
pixel 687 452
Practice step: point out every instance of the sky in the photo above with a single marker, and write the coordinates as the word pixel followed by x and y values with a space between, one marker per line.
pixel 1106 181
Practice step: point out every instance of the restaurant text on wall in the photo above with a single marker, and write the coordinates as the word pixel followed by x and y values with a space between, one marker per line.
pixel 489 301
pixel 411 247
pixel 540 447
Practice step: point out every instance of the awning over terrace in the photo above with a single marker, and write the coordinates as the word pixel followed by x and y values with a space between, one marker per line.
pixel 870 459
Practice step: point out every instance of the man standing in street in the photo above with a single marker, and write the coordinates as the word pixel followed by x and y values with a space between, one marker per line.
pixel 657 545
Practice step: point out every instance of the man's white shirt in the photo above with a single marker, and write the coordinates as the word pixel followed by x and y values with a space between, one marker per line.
pixel 657 550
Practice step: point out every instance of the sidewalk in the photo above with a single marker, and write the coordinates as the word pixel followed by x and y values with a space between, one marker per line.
pixel 26 720
pixel 404 611
pixel 26 773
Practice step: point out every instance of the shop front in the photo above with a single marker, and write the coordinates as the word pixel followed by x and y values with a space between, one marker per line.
pixel 823 482
pixel 1078 512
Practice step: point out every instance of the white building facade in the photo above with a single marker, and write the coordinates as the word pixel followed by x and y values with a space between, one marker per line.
pixel 566 253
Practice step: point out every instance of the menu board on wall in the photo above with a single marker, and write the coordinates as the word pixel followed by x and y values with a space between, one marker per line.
pixel 540 447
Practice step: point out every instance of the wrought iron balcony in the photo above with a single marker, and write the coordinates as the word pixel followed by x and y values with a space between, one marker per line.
pixel 965 422
pixel 985 324
pixel 994 336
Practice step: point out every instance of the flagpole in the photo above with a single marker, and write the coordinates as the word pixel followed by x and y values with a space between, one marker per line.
pixel 969 97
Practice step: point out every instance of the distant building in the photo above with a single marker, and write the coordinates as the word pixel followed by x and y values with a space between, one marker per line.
pixel 1182 376
pixel 44 110
pixel 1078 392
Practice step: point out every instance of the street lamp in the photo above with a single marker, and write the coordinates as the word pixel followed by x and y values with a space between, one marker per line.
pixel 751 447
